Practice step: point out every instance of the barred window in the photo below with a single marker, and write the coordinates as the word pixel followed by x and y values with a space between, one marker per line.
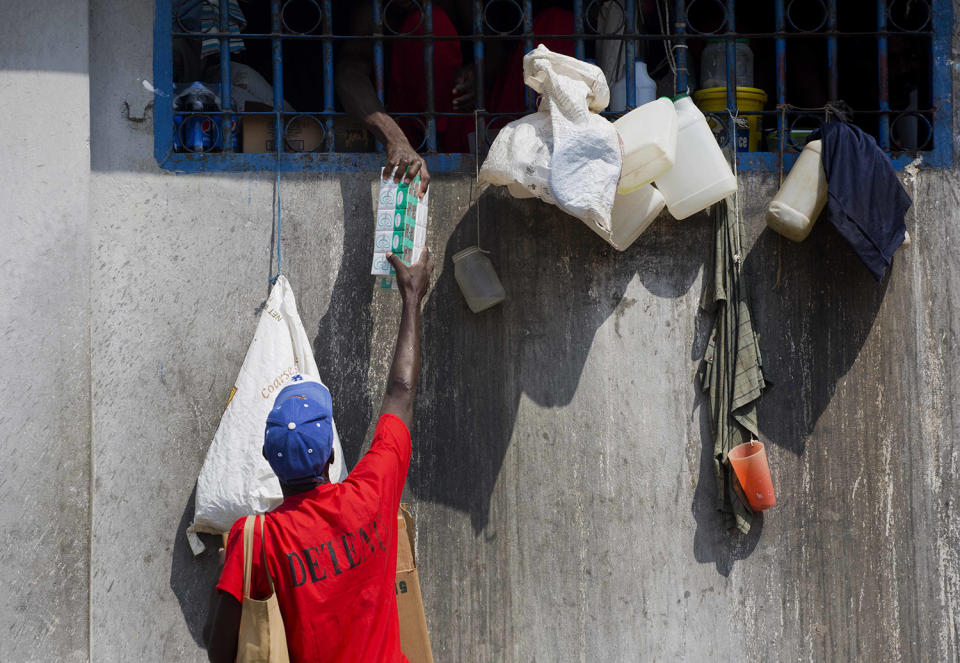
pixel 448 75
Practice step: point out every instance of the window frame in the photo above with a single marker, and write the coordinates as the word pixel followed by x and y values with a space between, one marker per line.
pixel 941 156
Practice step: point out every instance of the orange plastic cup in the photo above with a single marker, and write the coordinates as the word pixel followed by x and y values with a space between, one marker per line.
pixel 749 462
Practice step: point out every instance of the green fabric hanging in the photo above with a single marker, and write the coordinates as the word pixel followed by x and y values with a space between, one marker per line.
pixel 731 372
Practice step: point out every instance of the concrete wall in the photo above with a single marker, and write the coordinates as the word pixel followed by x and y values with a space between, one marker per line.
pixel 44 331
pixel 561 477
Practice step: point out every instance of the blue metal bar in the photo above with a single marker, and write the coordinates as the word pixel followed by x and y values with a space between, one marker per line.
pixel 277 28
pixel 832 71
pixel 530 97
pixel 294 36
pixel 578 28
pixel 630 51
pixel 378 48
pixel 428 73
pixel 319 162
pixel 163 81
pixel 781 50
pixel 378 54
pixel 481 128
pixel 883 81
pixel 942 65
pixel 680 29
pixel 328 69
pixel 225 80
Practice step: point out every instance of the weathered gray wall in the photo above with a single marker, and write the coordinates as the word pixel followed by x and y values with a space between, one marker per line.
pixel 564 503
pixel 44 330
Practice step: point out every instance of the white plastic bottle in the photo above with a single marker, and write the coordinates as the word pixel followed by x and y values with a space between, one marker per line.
pixel 797 205
pixel 646 89
pixel 700 175
pixel 477 279
pixel 649 138
pixel 632 214
pixel 646 86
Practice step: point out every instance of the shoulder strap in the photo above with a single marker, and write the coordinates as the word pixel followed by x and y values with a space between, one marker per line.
pixel 263 549
pixel 247 554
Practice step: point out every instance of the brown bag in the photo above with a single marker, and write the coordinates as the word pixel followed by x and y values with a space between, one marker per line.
pixel 262 638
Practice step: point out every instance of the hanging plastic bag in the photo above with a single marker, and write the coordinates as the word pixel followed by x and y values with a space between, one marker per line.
pixel 236 480
pixel 520 158
pixel 565 154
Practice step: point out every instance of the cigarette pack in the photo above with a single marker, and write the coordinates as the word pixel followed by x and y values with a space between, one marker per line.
pixel 401 226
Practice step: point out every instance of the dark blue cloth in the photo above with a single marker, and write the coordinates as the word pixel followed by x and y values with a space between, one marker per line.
pixel 865 201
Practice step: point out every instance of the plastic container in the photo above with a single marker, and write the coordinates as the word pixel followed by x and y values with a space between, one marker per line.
pixel 714 100
pixel 793 142
pixel 477 279
pixel 749 461
pixel 646 89
pixel 649 136
pixel 632 214
pixel 713 64
pixel 802 196
pixel 700 175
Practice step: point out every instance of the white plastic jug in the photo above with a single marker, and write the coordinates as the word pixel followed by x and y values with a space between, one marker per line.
pixel 700 175
pixel 477 279
pixel 802 196
pixel 649 135
pixel 632 214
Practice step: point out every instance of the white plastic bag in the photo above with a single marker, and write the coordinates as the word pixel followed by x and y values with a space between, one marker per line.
pixel 565 154
pixel 236 480
pixel 519 158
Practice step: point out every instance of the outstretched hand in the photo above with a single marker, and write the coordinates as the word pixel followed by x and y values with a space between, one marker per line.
pixel 413 280
pixel 405 164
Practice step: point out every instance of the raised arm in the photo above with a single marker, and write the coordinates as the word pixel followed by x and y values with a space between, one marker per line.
pixel 405 370
pixel 354 84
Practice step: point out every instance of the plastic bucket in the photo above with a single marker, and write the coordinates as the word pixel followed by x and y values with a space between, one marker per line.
pixel 749 461
pixel 714 100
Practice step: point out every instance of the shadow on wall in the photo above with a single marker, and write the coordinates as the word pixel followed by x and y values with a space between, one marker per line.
pixel 562 283
pixel 193 579
pixel 345 332
pixel 812 327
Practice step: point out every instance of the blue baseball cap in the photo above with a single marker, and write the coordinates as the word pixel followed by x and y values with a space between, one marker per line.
pixel 299 437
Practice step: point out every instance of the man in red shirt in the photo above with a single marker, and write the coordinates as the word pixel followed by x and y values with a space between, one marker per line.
pixel 331 548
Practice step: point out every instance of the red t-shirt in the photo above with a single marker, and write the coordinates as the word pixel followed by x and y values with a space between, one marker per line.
pixel 332 554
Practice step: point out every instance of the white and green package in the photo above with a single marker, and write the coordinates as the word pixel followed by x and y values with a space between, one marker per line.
pixel 401 227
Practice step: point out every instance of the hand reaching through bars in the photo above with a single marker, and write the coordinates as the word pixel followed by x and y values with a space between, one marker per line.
pixel 464 90
pixel 406 164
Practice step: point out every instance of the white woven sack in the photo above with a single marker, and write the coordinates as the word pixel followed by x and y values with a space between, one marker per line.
pixel 520 158
pixel 565 154
pixel 236 480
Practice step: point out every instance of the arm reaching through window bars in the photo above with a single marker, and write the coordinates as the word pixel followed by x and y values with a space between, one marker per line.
pixel 356 92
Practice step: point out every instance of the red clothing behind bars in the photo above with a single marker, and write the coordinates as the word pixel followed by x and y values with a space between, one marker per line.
pixel 407 90
pixel 407 93
pixel 332 554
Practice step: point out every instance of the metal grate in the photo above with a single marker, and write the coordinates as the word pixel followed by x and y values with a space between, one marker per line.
pixel 692 22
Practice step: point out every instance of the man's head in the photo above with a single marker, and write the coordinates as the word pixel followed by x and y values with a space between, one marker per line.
pixel 298 442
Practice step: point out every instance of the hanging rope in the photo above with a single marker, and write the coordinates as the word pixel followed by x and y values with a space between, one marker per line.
pixel 668 45
pixel 476 166
pixel 736 122
pixel 278 216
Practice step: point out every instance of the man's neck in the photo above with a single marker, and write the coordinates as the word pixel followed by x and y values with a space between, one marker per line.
pixel 289 490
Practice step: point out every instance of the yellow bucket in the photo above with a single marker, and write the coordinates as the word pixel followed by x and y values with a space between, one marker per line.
pixel 714 100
